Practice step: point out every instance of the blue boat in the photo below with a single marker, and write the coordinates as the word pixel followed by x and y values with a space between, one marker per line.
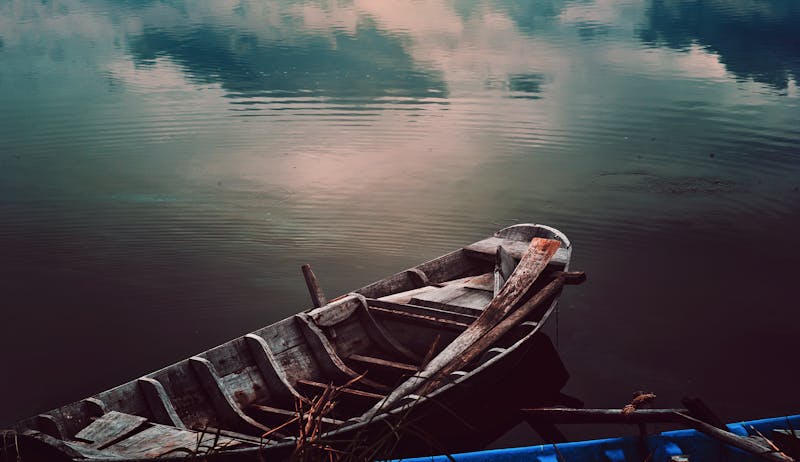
pixel 670 446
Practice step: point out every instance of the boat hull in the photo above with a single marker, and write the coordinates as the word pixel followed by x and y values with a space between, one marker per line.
pixel 247 387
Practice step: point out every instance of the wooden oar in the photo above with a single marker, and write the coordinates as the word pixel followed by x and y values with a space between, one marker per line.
pixel 533 262
pixel 502 328
pixel 559 415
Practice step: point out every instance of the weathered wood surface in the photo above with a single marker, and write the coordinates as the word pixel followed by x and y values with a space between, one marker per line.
pixel 455 298
pixel 749 445
pixel 335 312
pixel 226 408
pixel 232 435
pixel 287 413
pixel 159 440
pixel 73 450
pixel 453 265
pixel 447 267
pixel 326 355
pixel 379 362
pixel 161 407
pixel 229 357
pixel 95 407
pixel 352 392
pixel 299 363
pixel 420 319
pixel 418 277
pixel 405 297
pixel 288 345
pixel 380 336
pixel 352 329
pixel 558 415
pixel 272 372
pixel 439 296
pixel 317 297
pixel 206 389
pixel 495 332
pixel 487 249
pixel 528 270
pixel 504 265
pixel 472 301
pixel 110 428
pixel 245 385
pixel 399 282
pixel 483 281
pixel 466 318
pixel 281 336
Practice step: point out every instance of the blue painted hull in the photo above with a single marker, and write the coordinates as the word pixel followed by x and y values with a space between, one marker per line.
pixel 691 443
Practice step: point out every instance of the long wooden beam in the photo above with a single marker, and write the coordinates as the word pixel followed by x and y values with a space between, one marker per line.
pixel 317 297
pixel 560 415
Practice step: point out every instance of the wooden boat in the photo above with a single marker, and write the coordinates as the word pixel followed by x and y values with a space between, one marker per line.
pixel 693 445
pixel 365 360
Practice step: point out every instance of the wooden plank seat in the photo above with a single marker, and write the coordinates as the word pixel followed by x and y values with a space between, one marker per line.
pixel 110 428
pixel 455 298
pixel 487 249
pixel 483 281
pixel 467 295
pixel 406 296
pixel 117 434
pixel 160 440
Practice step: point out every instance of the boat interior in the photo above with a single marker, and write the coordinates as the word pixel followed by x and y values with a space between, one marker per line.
pixel 371 339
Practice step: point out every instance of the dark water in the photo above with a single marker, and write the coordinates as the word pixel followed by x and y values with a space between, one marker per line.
pixel 167 166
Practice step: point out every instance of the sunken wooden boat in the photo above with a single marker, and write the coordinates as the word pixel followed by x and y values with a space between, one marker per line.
pixel 396 355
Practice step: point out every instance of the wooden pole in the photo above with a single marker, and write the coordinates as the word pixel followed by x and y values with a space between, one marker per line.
pixel 317 297
pixel 592 416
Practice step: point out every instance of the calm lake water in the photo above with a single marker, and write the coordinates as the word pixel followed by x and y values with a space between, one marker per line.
pixel 167 166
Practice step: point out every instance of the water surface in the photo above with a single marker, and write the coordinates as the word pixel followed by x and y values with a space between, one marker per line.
pixel 166 167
